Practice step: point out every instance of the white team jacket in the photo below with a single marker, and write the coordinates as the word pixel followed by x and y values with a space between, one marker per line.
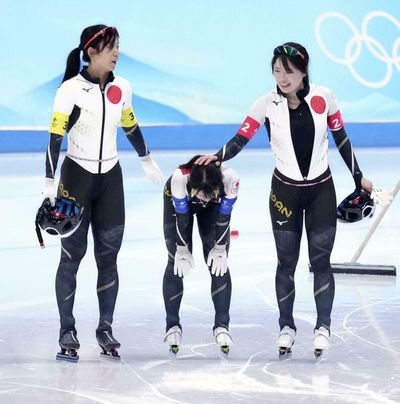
pixel 92 137
pixel 274 107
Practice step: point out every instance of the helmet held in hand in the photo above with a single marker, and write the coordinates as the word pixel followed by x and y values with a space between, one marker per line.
pixel 62 219
pixel 355 207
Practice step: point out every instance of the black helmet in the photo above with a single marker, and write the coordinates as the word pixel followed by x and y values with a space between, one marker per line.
pixel 62 219
pixel 357 206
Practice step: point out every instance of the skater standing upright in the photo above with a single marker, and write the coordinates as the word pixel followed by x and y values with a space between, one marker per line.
pixel 90 104
pixel 209 193
pixel 297 115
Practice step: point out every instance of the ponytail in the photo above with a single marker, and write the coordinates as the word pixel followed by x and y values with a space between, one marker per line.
pixel 73 64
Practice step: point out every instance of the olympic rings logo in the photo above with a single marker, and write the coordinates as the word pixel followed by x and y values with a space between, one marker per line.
pixel 354 46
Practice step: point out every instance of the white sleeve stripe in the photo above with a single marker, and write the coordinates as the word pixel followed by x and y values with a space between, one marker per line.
pixel 50 160
pixel 352 161
pixel 132 130
pixel 179 234
pixel 223 235
pixel 223 151
pixel 343 142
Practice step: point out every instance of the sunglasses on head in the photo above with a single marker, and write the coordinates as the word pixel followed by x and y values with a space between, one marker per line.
pixel 103 32
pixel 287 50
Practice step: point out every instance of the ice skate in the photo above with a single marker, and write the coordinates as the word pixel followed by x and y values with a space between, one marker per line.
pixel 173 338
pixel 223 339
pixel 69 345
pixel 285 342
pixel 321 341
pixel 108 344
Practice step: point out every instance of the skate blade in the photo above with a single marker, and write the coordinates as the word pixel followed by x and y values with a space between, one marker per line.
pixel 318 353
pixel 224 352
pixel 110 356
pixel 67 357
pixel 285 353
pixel 173 351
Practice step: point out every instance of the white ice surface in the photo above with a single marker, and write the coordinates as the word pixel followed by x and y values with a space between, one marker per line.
pixel 362 366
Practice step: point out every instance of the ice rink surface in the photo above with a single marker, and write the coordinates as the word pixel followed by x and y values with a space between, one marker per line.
pixel 362 366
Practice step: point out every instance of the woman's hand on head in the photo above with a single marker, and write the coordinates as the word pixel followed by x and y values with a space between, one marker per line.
pixel 207 159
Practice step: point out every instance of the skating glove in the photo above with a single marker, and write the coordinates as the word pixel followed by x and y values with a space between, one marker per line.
pixel 48 190
pixel 183 261
pixel 150 167
pixel 218 260
pixel 382 197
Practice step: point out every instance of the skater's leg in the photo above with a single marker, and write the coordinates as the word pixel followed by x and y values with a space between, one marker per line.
pixel 172 284
pixel 221 291
pixel 221 286
pixel 288 248
pixel 287 223
pixel 76 184
pixel 321 231
pixel 320 246
pixel 107 243
pixel 172 293
pixel 108 218
pixel 73 250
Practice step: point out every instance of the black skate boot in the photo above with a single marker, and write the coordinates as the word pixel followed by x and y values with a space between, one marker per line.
pixel 69 347
pixel 108 344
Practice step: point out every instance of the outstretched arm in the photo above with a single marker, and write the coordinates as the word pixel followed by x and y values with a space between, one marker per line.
pixel 228 151
pixel 246 132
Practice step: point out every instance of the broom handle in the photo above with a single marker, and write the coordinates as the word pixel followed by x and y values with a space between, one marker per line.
pixel 374 226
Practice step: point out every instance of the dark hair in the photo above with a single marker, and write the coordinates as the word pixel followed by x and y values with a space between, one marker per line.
pixel 74 61
pixel 206 178
pixel 300 63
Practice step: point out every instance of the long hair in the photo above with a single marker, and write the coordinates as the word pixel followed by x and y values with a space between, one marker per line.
pixel 74 60
pixel 206 178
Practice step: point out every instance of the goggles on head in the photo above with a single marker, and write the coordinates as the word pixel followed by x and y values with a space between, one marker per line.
pixel 103 32
pixel 287 50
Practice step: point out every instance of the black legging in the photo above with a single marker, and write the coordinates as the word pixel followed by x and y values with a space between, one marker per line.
pixel 221 286
pixel 289 202
pixel 102 197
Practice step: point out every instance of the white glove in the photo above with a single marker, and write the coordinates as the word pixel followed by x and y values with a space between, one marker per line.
pixel 48 190
pixel 184 261
pixel 382 197
pixel 150 167
pixel 217 258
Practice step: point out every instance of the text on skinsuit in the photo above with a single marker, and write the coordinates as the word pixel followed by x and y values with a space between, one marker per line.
pixel 280 206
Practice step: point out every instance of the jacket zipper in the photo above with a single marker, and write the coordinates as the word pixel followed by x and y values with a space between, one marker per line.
pixel 102 130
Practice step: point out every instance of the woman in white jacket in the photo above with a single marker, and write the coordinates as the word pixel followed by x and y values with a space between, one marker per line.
pixel 90 105
pixel 297 115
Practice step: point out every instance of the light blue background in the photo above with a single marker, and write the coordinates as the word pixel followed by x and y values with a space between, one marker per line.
pixel 198 61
